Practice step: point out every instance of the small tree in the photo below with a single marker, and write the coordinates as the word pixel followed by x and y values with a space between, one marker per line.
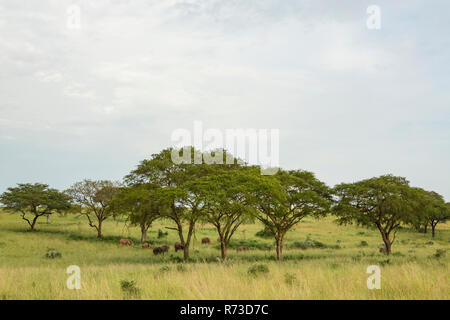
pixel 384 202
pixel 34 199
pixel 94 199
pixel 436 210
pixel 284 199
pixel 430 211
pixel 441 215
pixel 140 204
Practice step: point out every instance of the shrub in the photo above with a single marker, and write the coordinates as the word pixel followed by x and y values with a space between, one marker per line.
pixel 429 243
pixel 129 289
pixel 440 253
pixel 252 244
pixel 258 269
pixel 363 243
pixel 176 259
pixel 309 243
pixel 384 262
pixel 264 233
pixel 52 254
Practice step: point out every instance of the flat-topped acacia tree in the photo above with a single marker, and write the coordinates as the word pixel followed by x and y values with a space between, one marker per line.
pixel 179 200
pixel 432 209
pixel 224 193
pixel 93 198
pixel 282 200
pixel 383 202
pixel 139 204
pixel 34 199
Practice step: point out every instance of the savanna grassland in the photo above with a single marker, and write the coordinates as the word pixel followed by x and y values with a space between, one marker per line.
pixel 334 267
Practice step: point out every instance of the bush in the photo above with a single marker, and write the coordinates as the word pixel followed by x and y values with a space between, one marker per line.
pixel 252 244
pixel 385 262
pixel 176 259
pixel 309 244
pixel 129 289
pixel 440 253
pixel 52 254
pixel 264 233
pixel 258 269
pixel 363 244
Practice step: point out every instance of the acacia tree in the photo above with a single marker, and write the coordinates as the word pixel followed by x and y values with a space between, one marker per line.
pixel 225 195
pixel 440 215
pixel 94 199
pixel 284 199
pixel 383 202
pixel 140 204
pixel 430 211
pixel 177 195
pixel 35 199
pixel 435 210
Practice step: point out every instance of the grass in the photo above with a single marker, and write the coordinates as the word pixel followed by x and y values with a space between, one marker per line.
pixel 336 269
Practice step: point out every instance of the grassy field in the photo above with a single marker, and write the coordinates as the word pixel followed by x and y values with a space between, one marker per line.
pixel 334 270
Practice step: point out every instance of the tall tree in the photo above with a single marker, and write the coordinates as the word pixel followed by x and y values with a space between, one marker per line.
pixel 225 195
pixel 35 200
pixel 175 191
pixel 284 199
pixel 94 199
pixel 383 202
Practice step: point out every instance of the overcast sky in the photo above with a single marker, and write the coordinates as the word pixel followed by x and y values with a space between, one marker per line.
pixel 350 102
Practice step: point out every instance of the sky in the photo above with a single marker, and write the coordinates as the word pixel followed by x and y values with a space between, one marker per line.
pixel 91 97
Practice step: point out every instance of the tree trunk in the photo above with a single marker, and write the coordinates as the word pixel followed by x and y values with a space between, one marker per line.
pixel 387 244
pixel 143 233
pixel 180 231
pixel 388 248
pixel 386 240
pixel 48 219
pixel 279 241
pixel 33 224
pixel 99 229
pixel 433 227
pixel 425 228
pixel 188 241
pixel 223 249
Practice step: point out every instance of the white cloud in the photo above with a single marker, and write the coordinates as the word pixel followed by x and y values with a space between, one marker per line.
pixel 48 76
pixel 136 70
pixel 77 90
